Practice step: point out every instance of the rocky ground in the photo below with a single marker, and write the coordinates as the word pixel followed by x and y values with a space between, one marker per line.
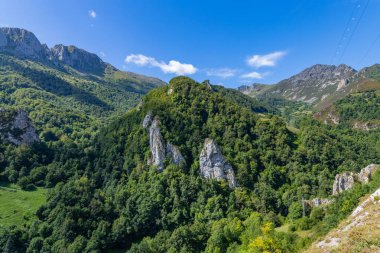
pixel 360 232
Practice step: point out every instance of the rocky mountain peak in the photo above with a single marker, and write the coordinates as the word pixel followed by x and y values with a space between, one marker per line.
pixel 314 84
pixel 21 43
pixel 323 72
pixel 77 58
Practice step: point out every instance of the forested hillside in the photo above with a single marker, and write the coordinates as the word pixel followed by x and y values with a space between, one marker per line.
pixel 358 110
pixel 190 170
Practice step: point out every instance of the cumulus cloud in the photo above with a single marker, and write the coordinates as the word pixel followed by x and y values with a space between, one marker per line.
pixel 254 75
pixel 173 67
pixel 222 73
pixel 267 60
pixel 92 13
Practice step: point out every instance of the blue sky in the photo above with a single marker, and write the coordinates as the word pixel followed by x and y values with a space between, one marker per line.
pixel 229 42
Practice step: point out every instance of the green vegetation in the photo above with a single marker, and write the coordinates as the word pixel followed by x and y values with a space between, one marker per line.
pixel 360 107
pixel 104 195
pixel 64 103
pixel 17 206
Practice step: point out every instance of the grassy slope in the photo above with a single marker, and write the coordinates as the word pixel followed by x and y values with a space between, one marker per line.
pixel 357 233
pixel 18 206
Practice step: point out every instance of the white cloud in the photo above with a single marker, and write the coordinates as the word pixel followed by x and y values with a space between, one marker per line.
pixel 222 73
pixel 92 13
pixel 254 75
pixel 267 60
pixel 173 67
pixel 102 54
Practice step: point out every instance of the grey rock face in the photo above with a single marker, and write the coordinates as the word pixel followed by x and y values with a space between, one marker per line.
pixel 317 202
pixel 157 146
pixel 78 59
pixel 253 89
pixel 213 165
pixel 366 126
pixel 173 153
pixel 343 182
pixel 17 128
pixel 159 150
pixel 314 83
pixel 147 120
pixel 366 173
pixel 346 180
pixel 331 117
pixel 22 43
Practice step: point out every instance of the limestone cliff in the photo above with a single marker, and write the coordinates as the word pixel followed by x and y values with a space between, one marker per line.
pixel 343 182
pixel 16 127
pixel 77 58
pixel 346 180
pixel 159 149
pixel 213 165
pixel 21 43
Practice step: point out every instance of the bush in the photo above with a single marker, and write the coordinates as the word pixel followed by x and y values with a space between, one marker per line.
pixel 304 223
pixel 317 214
pixel 295 211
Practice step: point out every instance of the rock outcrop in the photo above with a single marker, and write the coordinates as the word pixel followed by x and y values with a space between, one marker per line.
pixel 343 182
pixel 77 58
pixel 360 230
pixel 16 127
pixel 213 165
pixel 346 180
pixel 21 43
pixel 313 83
pixel 158 148
pixel 173 153
pixel 317 202
pixel 366 173
pixel 366 126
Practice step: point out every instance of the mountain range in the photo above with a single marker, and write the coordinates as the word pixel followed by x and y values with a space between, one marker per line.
pixel 319 85
pixel 94 159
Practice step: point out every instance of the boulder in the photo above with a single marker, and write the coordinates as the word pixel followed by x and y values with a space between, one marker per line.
pixel 213 165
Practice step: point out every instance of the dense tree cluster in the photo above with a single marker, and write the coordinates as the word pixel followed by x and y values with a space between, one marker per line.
pixel 105 196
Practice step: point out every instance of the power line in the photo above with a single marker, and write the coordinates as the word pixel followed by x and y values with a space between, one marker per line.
pixel 369 49
pixel 353 32
pixel 349 30
pixel 346 29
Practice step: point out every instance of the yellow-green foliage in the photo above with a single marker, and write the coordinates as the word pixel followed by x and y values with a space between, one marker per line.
pixel 18 206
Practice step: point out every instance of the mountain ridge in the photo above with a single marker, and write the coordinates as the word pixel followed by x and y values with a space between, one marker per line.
pixel 320 85
pixel 23 43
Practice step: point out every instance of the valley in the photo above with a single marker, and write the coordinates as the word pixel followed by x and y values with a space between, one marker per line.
pixel 95 159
